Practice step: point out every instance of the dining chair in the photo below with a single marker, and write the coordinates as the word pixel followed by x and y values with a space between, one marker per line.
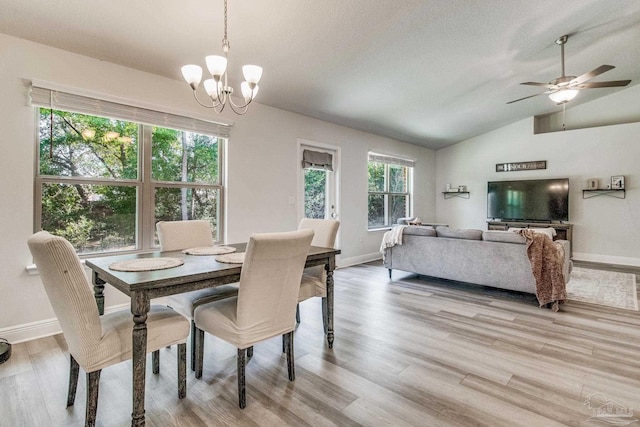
pixel 266 301
pixel 96 342
pixel 314 279
pixel 180 235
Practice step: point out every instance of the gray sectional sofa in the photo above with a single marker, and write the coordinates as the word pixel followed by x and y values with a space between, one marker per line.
pixel 490 258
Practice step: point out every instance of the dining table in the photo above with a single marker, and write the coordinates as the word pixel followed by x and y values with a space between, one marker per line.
pixel 196 272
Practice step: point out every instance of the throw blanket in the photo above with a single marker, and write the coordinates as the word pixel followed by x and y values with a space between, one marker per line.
pixel 391 238
pixel 546 258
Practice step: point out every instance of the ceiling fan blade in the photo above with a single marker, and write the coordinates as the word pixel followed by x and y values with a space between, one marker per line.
pixel 527 97
pixel 591 74
pixel 535 84
pixel 613 83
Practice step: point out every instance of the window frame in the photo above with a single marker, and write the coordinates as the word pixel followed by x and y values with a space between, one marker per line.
pixel 388 162
pixel 145 234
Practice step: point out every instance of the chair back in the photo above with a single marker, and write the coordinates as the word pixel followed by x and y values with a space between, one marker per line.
pixel 69 293
pixel 270 282
pixel 178 235
pixel 325 232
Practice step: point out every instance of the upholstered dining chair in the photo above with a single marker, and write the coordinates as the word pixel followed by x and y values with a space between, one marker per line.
pixel 96 342
pixel 266 301
pixel 180 235
pixel 314 279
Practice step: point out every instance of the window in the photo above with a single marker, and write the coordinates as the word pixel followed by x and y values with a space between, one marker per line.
pixel 318 184
pixel 103 183
pixel 389 190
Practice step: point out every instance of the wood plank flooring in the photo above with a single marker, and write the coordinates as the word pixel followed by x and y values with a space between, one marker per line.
pixel 414 351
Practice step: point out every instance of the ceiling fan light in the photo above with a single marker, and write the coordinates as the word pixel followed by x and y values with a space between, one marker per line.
pixel 564 95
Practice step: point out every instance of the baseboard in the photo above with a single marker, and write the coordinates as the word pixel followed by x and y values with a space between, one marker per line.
pixel 43 328
pixel 606 259
pixel 361 259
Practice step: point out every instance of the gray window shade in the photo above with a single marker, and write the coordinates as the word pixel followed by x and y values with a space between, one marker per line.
pixel 317 160
pixel 48 98
pixel 389 160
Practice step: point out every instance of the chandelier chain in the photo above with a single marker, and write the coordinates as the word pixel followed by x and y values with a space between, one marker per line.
pixel 225 40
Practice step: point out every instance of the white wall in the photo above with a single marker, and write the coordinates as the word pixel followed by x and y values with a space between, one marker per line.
pixel 257 196
pixel 605 229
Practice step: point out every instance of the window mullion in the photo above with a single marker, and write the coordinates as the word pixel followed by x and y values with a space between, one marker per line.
pixel 145 216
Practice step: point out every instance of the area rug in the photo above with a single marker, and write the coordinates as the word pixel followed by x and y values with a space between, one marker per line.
pixel 601 287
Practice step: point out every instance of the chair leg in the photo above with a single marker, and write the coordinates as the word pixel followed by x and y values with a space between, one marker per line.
pixel 298 313
pixel 155 361
pixel 182 370
pixel 242 398
pixel 93 384
pixel 199 337
pixel 74 370
pixel 249 353
pixel 288 338
pixel 193 345
pixel 325 308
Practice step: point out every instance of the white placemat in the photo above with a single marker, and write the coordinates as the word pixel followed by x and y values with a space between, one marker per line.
pixel 209 250
pixel 146 264
pixel 235 258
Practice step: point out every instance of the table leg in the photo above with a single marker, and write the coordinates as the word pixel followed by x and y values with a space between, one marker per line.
pixel 329 267
pixel 140 306
pixel 98 292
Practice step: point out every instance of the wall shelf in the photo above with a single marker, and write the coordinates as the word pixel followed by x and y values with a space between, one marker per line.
pixel 450 194
pixel 617 193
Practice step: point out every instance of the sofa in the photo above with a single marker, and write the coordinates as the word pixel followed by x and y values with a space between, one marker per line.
pixel 490 258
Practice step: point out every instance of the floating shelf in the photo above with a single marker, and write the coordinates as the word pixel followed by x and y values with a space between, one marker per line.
pixel 450 194
pixel 617 193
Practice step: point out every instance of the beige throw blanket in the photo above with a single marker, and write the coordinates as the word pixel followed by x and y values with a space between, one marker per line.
pixel 546 258
pixel 391 238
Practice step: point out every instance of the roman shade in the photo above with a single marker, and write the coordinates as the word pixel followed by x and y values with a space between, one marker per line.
pixel 390 160
pixel 317 160
pixel 59 100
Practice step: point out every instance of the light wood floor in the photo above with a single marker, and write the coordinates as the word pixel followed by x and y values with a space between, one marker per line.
pixel 408 352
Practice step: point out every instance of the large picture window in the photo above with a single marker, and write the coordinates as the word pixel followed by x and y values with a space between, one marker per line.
pixel 103 183
pixel 389 190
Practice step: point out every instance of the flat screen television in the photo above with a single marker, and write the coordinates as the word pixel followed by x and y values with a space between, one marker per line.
pixel 529 200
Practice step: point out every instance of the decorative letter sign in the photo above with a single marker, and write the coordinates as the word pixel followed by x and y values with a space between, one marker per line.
pixel 521 166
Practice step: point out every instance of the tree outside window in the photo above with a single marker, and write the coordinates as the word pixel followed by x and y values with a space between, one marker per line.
pixel 90 187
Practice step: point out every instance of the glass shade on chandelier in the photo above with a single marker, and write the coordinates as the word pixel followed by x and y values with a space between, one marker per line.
pixel 563 95
pixel 216 86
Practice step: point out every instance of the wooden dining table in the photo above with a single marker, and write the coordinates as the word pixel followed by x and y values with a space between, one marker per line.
pixel 197 272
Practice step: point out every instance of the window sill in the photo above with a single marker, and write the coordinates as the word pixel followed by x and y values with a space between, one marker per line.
pixel 379 229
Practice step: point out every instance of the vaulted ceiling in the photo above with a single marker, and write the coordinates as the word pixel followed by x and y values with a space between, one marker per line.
pixel 430 72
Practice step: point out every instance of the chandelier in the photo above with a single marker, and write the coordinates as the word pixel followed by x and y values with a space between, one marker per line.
pixel 217 87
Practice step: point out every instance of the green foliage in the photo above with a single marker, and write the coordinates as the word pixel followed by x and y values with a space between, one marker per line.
pixel 315 184
pixel 388 198
pixel 103 216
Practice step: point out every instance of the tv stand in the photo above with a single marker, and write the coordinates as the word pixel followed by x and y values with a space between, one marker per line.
pixel 563 230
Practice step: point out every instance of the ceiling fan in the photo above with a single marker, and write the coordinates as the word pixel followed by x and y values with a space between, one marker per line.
pixel 565 88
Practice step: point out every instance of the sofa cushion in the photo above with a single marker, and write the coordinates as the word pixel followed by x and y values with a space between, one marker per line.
pixel 549 231
pixel 452 233
pixel 503 236
pixel 419 230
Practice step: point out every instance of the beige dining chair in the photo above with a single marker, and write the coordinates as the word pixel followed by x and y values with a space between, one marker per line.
pixel 266 301
pixel 180 235
pixel 314 279
pixel 96 342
